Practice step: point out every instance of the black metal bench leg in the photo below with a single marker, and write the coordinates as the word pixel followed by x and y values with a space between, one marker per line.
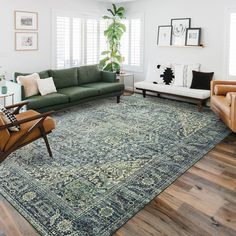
pixel 200 106
pixel 144 93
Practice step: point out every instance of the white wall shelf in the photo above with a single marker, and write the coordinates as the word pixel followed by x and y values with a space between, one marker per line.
pixel 174 46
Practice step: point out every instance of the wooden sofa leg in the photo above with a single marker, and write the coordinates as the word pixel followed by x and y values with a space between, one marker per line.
pixel 118 99
pixel 46 141
pixel 144 93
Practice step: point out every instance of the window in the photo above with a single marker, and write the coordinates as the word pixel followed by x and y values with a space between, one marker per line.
pixel 232 46
pixel 132 44
pixel 77 40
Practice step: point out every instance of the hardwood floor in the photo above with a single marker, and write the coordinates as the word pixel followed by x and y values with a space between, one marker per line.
pixel 200 202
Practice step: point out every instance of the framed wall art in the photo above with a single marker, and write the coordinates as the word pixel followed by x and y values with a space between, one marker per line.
pixel 164 35
pixel 26 20
pixel 26 41
pixel 179 29
pixel 193 37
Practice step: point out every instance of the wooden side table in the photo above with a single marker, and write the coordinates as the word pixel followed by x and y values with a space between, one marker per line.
pixel 122 77
pixel 5 96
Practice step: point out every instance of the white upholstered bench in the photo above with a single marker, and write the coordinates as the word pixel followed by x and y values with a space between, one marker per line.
pixel 196 96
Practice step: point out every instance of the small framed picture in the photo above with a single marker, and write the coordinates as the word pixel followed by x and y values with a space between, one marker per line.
pixel 164 35
pixel 26 41
pixel 193 37
pixel 179 29
pixel 26 20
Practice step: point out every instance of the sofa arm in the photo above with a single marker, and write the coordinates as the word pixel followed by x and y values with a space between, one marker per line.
pixel 233 112
pixel 109 77
pixel 223 82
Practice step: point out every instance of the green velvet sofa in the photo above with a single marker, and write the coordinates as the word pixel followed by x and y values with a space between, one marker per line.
pixel 74 86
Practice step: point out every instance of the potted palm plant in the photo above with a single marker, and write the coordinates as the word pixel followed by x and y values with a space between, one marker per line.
pixel 113 33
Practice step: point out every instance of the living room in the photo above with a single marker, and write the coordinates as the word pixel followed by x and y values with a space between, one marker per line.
pixel 117 117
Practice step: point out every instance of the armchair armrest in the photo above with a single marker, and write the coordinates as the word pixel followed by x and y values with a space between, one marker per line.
pixel 223 82
pixel 233 112
pixel 108 76
pixel 19 122
pixel 18 106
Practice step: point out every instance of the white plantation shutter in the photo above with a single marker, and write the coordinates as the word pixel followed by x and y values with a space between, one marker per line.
pixel 62 42
pixel 136 42
pixel 232 50
pixel 132 44
pixel 102 39
pixel 77 42
pixel 125 43
pixel 91 41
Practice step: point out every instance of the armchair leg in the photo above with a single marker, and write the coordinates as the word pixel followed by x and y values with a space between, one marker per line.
pixel 3 156
pixel 46 141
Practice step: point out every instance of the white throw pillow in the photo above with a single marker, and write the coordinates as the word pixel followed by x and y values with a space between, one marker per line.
pixel 29 82
pixel 46 86
pixel 179 75
pixel 189 73
pixel 153 74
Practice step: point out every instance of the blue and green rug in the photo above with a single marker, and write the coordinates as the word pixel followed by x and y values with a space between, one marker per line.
pixel 109 161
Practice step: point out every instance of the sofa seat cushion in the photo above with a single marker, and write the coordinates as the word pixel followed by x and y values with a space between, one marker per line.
pixel 89 74
pixel 78 93
pixel 48 125
pixel 220 102
pixel 65 77
pixel 105 88
pixel 174 90
pixel 37 102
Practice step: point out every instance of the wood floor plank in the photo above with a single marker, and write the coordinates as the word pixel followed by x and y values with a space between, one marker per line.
pixel 202 202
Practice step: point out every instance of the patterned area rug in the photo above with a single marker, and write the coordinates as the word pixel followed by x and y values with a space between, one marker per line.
pixel 109 161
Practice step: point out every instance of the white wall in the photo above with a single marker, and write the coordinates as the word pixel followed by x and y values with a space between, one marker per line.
pixel 208 14
pixel 12 60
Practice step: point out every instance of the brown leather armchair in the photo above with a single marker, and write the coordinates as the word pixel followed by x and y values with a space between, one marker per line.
pixel 223 101
pixel 33 126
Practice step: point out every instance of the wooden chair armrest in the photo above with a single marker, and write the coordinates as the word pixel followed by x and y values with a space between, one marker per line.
pixel 223 82
pixel 19 122
pixel 233 111
pixel 18 106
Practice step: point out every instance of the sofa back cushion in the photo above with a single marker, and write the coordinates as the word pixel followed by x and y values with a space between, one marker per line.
pixel 43 74
pixel 89 74
pixel 64 78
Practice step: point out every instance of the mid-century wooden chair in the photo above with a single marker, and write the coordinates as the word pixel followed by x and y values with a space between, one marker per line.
pixel 33 126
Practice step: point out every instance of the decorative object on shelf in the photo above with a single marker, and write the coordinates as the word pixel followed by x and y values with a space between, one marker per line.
pixel 26 41
pixel 26 20
pixel 4 89
pixel 179 28
pixel 114 32
pixel 193 37
pixel 164 35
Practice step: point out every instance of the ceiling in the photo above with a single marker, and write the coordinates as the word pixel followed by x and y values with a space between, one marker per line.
pixel 116 1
